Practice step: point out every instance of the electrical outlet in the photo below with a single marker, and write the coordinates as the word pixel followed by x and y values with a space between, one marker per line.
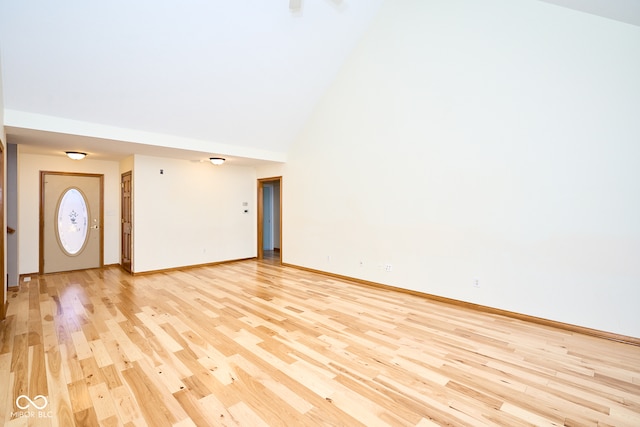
pixel 388 267
pixel 476 283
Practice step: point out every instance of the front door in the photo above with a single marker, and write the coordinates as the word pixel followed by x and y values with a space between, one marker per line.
pixel 71 217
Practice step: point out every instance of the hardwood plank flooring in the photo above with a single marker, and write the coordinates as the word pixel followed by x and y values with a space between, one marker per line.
pixel 253 343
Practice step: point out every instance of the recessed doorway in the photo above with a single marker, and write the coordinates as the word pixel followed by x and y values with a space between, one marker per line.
pixel 270 219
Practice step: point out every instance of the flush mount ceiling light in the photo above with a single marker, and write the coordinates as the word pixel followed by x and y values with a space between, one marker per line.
pixel 217 160
pixel 295 5
pixel 76 155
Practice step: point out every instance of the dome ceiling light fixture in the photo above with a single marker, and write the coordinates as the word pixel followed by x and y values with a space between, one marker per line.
pixel 217 160
pixel 75 155
pixel 295 6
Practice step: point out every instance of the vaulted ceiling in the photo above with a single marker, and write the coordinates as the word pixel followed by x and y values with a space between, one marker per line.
pixel 196 77
pixel 221 76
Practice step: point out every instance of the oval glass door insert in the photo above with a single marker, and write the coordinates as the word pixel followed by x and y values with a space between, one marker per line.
pixel 72 221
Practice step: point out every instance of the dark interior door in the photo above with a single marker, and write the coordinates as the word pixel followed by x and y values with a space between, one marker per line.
pixel 125 259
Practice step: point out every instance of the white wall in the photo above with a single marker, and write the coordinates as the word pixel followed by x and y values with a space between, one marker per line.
pixel 192 213
pixel 29 167
pixel 126 165
pixel 271 170
pixel 487 140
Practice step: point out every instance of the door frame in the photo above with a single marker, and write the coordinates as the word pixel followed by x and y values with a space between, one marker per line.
pixel 127 267
pixel 42 219
pixel 3 235
pixel 260 209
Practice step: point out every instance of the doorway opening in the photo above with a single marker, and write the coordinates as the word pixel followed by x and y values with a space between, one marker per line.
pixel 270 219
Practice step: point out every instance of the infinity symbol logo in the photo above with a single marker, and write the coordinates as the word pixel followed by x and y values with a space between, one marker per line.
pixel 22 397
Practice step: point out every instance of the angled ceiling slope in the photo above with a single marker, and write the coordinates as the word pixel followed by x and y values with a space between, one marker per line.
pixel 209 76
pixel 627 11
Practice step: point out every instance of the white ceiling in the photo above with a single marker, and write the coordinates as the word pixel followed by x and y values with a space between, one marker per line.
pixel 232 77
pixel 226 72
pixel 55 144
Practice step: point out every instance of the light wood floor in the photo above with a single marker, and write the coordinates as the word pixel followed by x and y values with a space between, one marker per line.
pixel 252 343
